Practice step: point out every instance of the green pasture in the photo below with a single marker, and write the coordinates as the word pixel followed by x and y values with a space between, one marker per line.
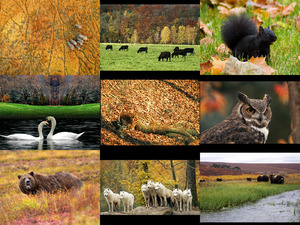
pixel 131 60
pixel 216 195
pixel 14 110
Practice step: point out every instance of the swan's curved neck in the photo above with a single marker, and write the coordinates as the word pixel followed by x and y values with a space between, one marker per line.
pixel 40 130
pixel 53 125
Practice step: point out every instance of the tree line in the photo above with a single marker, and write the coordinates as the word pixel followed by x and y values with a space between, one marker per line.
pixel 151 24
pixel 49 90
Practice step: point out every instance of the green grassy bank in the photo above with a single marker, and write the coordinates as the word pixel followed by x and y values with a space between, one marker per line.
pixel 14 110
pixel 131 60
pixel 215 196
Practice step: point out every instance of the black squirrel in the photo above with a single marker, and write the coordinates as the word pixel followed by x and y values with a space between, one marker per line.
pixel 240 34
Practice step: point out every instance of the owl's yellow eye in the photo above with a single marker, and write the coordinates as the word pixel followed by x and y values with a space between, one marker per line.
pixel 250 110
pixel 266 112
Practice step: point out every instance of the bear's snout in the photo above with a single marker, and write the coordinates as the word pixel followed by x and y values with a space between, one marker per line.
pixel 27 184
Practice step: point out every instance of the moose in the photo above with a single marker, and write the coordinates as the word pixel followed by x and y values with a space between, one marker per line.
pixel 262 178
pixel 248 179
pixel 219 179
pixel 276 179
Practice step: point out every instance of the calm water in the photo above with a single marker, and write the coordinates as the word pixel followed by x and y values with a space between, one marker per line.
pixel 284 207
pixel 89 140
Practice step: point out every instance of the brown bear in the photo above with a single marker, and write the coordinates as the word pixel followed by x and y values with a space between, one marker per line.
pixel 31 183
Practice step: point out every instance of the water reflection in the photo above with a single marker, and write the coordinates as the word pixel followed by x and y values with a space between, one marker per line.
pixel 89 140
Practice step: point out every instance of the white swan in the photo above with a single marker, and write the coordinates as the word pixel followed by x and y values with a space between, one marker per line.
pixel 60 135
pixel 27 136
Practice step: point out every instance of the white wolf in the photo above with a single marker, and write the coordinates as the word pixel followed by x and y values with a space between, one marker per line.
pixel 150 185
pixel 164 193
pixel 146 194
pixel 112 200
pixel 178 195
pixel 187 199
pixel 128 200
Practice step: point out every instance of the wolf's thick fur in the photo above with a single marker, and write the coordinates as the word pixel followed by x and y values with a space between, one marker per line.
pixel 128 200
pixel 113 200
pixel 187 199
pixel 151 188
pixel 146 194
pixel 178 195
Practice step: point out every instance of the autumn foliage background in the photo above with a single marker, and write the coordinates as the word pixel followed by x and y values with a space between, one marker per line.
pixel 161 102
pixel 33 36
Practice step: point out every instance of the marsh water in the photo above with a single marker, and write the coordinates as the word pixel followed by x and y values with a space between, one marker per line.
pixel 89 140
pixel 284 207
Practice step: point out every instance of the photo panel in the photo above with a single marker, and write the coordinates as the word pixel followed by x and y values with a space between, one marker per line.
pixel 53 186
pixel 252 185
pixel 142 189
pixel 49 112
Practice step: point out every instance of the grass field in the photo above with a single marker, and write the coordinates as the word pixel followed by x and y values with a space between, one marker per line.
pixel 73 207
pixel 216 195
pixel 14 110
pixel 131 60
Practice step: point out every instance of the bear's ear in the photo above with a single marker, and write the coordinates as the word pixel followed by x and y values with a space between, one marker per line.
pixel 31 173
pixel 19 176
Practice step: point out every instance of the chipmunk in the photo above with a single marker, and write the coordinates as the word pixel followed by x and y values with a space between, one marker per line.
pixel 127 120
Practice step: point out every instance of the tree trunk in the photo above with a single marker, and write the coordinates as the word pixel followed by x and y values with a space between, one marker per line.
pixel 173 172
pixel 294 99
pixel 191 180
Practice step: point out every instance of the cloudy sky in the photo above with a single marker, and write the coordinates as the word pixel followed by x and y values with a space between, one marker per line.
pixel 251 157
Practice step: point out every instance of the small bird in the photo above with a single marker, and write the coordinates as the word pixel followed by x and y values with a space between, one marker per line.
pixel 73 42
pixel 80 42
pixel 78 26
pixel 82 37
pixel 70 45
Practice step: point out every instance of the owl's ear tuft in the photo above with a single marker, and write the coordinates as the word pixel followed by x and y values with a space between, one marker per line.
pixel 267 98
pixel 242 97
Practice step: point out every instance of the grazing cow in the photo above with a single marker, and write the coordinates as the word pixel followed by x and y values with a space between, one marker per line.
pixel 176 48
pixel 202 180
pixel 248 179
pixel 109 47
pixel 123 47
pixel 276 179
pixel 189 50
pixel 219 179
pixel 165 55
pixel 179 52
pixel 262 178
pixel 143 49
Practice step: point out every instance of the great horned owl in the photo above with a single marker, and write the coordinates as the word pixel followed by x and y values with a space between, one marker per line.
pixel 247 124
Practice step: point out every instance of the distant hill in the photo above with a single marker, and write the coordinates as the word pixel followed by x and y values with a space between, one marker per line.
pixel 207 170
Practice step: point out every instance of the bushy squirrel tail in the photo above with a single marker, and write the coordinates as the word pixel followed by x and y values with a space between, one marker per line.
pixel 235 28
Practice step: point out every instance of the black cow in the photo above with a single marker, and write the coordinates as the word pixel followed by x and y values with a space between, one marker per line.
pixel 263 178
pixel 248 179
pixel 108 47
pixel 143 49
pixel 202 180
pixel 189 50
pixel 219 179
pixel 165 55
pixel 179 52
pixel 123 47
pixel 276 179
